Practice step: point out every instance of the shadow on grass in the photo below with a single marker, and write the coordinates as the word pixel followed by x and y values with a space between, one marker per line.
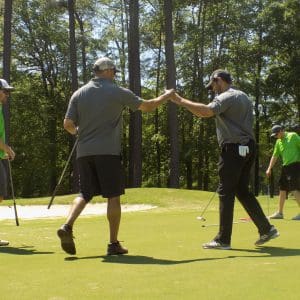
pixel 24 250
pixel 148 260
pixel 140 260
pixel 271 251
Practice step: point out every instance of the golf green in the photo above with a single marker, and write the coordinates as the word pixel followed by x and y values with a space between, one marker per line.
pixel 165 260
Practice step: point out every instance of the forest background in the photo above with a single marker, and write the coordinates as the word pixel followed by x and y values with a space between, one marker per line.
pixel 48 52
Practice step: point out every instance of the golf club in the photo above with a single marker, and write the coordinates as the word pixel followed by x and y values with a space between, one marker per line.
pixel 210 225
pixel 201 218
pixel 13 193
pixel 63 173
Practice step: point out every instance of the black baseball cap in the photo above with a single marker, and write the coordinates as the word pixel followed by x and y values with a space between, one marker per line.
pixel 225 75
pixel 275 130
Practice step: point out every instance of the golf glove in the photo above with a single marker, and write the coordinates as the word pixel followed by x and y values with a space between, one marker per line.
pixel 243 150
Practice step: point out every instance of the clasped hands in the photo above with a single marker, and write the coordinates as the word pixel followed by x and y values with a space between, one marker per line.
pixel 173 96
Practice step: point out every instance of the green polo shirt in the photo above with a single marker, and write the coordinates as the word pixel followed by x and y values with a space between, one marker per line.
pixel 2 131
pixel 288 148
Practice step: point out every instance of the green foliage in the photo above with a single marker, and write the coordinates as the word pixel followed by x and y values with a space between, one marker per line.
pixel 257 41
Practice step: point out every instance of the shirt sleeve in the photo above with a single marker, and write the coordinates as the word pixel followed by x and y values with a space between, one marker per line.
pixel 72 112
pixel 276 151
pixel 220 104
pixel 131 100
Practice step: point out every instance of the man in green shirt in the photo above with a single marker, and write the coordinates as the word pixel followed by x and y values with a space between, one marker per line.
pixel 288 148
pixel 5 151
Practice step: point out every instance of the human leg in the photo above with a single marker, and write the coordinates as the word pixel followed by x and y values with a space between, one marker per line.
pixel 297 198
pixel 279 213
pixel 229 167
pixel 293 171
pixel 251 204
pixel 3 184
pixel 282 198
pixel 86 182
pixel 114 217
pixel 77 207
pixel 3 242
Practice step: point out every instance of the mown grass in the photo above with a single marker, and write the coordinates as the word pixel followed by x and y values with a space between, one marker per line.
pixel 165 259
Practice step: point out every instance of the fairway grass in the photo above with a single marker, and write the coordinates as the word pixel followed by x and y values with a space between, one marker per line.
pixel 165 259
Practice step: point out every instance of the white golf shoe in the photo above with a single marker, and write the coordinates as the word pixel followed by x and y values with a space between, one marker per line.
pixel 4 243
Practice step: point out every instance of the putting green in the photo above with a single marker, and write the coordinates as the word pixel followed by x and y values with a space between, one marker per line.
pixel 165 259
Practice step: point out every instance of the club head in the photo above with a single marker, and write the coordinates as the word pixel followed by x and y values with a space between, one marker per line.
pixel 201 218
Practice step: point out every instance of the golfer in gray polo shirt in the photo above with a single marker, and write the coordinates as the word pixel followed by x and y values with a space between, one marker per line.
pixel 233 113
pixel 95 114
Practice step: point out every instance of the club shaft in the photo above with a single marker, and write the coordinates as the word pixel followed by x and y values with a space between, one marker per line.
pixel 207 205
pixel 62 174
pixel 210 225
pixel 13 193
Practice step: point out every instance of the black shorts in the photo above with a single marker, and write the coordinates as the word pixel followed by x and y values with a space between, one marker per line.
pixel 101 175
pixel 290 177
pixel 3 180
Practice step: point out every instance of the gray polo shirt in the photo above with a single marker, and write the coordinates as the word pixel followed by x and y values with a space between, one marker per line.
pixel 96 108
pixel 234 117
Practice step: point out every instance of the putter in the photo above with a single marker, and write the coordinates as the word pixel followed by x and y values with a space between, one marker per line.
pixel 62 174
pixel 13 193
pixel 242 221
pixel 201 218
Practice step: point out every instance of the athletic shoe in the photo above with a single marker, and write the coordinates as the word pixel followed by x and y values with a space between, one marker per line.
pixel 116 249
pixel 272 234
pixel 65 234
pixel 216 245
pixel 276 215
pixel 296 218
pixel 4 243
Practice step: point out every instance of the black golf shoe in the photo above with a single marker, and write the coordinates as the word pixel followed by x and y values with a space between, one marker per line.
pixel 116 249
pixel 65 234
pixel 272 234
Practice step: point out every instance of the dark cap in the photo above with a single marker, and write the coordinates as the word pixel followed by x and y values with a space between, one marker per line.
pixel 219 73
pixel 4 85
pixel 275 130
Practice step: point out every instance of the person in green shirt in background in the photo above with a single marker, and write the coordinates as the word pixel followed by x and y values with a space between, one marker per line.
pixel 288 148
pixel 6 151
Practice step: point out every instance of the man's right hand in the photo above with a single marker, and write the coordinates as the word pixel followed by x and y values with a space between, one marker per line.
pixel 10 154
pixel 268 172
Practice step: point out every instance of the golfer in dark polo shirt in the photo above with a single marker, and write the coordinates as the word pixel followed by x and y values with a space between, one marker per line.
pixel 233 113
pixel 95 114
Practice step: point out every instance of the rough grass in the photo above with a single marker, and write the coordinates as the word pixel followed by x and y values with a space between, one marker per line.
pixel 165 259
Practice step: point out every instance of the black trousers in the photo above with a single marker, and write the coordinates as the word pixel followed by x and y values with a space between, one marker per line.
pixel 234 172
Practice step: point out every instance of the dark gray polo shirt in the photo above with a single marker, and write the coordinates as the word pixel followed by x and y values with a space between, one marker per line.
pixel 96 108
pixel 234 117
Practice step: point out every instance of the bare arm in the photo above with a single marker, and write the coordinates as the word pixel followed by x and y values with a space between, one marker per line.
pixel 152 104
pixel 70 126
pixel 8 150
pixel 198 109
pixel 271 165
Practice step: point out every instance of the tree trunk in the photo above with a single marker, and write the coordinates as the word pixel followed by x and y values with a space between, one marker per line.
pixel 172 108
pixel 135 127
pixel 83 48
pixel 156 116
pixel 257 101
pixel 7 61
pixel 74 83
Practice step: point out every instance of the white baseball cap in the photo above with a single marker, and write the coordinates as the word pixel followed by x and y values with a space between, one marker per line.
pixel 4 85
pixel 104 63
